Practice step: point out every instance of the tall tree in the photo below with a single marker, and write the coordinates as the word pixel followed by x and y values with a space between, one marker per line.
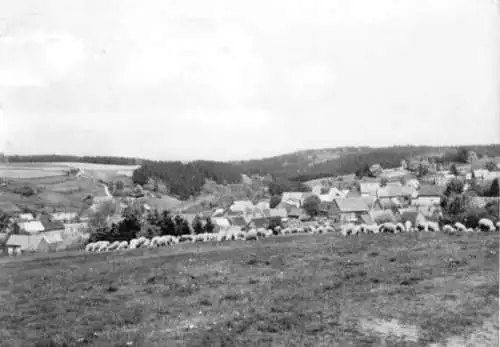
pixel 275 201
pixel 209 226
pixel 454 170
pixel 494 189
pixel 312 205
pixel 198 225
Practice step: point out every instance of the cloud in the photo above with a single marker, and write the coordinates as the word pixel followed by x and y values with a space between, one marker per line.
pixel 38 58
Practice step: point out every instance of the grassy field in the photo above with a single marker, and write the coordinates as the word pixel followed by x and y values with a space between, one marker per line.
pixel 299 290
pixel 36 170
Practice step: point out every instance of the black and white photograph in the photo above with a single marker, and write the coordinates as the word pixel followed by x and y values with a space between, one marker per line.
pixel 281 173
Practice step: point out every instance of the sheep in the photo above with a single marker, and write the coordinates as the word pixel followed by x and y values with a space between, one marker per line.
pixel 460 227
pixel 422 227
pixel 122 245
pixel 433 226
pixel 113 246
pixel 102 246
pixel 251 235
pixel 448 229
pixel 372 229
pixel 89 246
pixel 389 227
pixel 400 228
pixel 362 229
pixel 133 244
pixel 186 238
pixel 146 244
pixel 486 224
pixel 348 229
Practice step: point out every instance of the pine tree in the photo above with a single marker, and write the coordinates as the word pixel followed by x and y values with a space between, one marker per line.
pixel 209 226
pixel 198 226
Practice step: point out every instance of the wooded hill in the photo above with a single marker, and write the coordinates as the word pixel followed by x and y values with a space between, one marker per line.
pixel 187 179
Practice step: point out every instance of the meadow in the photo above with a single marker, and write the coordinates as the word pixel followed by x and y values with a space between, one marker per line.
pixel 418 289
pixel 36 170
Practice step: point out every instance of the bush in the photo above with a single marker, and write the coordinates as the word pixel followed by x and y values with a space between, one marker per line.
pixel 25 191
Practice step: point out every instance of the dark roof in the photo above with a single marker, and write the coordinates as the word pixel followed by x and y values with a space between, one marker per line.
pixel 351 205
pixel 239 221
pixel 296 212
pixel 260 222
pixel 353 193
pixel 55 225
pixel 430 190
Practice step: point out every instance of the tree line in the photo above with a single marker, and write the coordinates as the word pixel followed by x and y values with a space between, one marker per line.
pixel 135 223
pixel 46 158
pixel 186 180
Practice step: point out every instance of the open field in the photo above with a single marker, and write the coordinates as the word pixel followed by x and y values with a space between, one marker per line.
pixel 299 290
pixel 34 170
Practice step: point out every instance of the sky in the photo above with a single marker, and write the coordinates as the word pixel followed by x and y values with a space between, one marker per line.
pixel 233 79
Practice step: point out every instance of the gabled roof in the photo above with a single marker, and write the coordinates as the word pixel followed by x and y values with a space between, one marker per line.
pixel 221 222
pixel 61 216
pixel 31 227
pixel 278 212
pixel 52 238
pixel 25 242
pixel 351 205
pixel 239 221
pixel 296 212
pixel 48 226
pixel 241 205
pixel 353 193
pixel 260 222
pixel 369 188
pixel 389 203
pixel 394 190
pixel 369 200
pixel 26 216
pixel 430 190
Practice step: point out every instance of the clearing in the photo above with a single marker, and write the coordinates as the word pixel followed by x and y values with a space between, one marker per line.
pixel 298 290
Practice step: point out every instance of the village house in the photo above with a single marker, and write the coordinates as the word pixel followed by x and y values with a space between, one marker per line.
pixel 293 198
pixel 348 210
pixel 239 221
pixel 333 193
pixel 241 206
pixel 33 227
pixel 258 223
pixel 25 217
pixel 483 175
pixel 16 244
pixel 297 213
pixel 64 216
pixel 428 195
pixel 221 223
pixel 369 188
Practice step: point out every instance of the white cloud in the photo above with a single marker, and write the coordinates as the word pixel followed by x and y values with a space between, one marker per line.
pixel 38 58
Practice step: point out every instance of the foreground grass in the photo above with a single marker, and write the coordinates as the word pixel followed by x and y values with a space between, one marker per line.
pixel 300 290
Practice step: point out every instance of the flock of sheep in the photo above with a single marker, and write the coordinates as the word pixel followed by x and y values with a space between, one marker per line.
pixel 254 234
pixel 163 241
pixel 351 229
